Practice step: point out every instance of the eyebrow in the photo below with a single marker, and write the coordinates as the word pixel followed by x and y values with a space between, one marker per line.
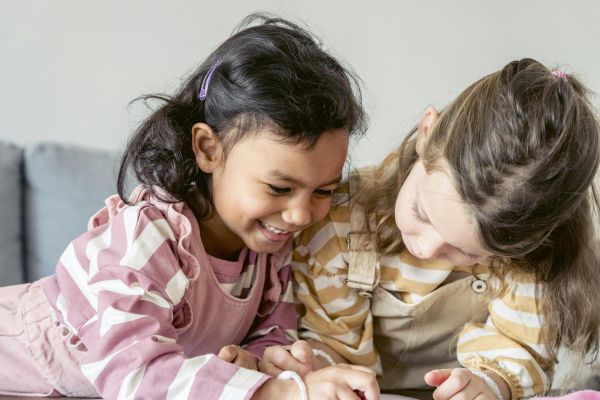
pixel 276 174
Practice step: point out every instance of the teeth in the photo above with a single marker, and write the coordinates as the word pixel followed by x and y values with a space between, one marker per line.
pixel 273 229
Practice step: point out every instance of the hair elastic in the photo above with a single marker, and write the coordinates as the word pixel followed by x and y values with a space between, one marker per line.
pixel 206 80
pixel 559 74
pixel 293 375
pixel 324 355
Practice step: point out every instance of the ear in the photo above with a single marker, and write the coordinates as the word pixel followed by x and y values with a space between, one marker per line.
pixel 425 124
pixel 207 147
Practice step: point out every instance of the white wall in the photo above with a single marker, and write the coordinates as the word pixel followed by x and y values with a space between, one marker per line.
pixel 68 68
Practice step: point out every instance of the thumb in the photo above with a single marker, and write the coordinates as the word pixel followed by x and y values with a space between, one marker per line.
pixel 437 376
pixel 228 353
pixel 302 352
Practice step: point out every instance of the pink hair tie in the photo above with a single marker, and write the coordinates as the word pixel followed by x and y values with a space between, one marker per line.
pixel 559 74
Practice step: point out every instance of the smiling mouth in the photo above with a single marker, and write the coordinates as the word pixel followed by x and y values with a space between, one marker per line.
pixel 273 229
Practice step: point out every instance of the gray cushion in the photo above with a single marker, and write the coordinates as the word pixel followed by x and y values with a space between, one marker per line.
pixel 11 252
pixel 64 186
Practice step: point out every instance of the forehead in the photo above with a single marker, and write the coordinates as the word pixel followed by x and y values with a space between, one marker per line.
pixel 447 212
pixel 267 153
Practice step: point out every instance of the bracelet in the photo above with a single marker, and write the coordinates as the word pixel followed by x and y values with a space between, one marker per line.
pixel 293 375
pixel 324 355
pixel 488 381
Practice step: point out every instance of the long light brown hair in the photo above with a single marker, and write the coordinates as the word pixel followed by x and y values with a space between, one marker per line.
pixel 523 148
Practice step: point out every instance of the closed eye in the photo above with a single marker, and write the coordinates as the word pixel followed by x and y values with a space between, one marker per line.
pixel 278 190
pixel 469 255
pixel 324 192
pixel 417 214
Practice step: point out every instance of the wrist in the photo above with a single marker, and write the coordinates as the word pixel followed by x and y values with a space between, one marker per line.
pixel 277 389
pixel 494 382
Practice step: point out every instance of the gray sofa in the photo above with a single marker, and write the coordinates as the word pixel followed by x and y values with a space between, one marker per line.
pixel 48 192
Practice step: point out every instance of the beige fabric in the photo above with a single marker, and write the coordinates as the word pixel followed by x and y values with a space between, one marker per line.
pixel 363 261
pixel 411 339
pixel 509 342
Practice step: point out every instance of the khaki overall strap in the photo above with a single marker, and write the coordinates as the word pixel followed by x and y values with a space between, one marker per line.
pixel 362 257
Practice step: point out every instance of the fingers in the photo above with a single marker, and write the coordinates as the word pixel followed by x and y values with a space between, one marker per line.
pixel 367 386
pixel 228 353
pixel 277 359
pixel 460 380
pixel 357 368
pixel 238 356
pixel 437 377
pixel 342 382
pixel 303 352
pixel 361 379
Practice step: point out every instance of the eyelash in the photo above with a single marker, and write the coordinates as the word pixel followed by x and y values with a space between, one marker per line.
pixel 280 191
pixel 419 217
pixel 417 214
pixel 468 255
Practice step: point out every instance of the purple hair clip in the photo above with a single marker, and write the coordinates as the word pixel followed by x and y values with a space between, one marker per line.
pixel 559 74
pixel 206 80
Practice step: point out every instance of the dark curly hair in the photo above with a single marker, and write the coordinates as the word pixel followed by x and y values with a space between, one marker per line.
pixel 272 74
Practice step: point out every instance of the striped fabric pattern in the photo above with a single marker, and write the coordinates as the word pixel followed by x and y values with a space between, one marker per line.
pixel 509 343
pixel 118 288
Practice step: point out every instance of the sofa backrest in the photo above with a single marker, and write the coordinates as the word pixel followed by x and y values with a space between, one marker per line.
pixel 64 186
pixel 11 232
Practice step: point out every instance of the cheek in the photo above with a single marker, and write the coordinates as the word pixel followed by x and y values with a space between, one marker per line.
pixel 320 209
pixel 403 213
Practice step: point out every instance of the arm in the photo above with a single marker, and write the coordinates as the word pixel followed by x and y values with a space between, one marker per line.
pixel 510 344
pixel 337 382
pixel 122 288
pixel 329 311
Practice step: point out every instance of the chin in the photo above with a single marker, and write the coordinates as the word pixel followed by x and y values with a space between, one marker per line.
pixel 263 248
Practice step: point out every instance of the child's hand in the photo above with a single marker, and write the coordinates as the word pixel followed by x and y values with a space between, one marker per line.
pixel 238 356
pixel 342 381
pixel 462 382
pixel 298 357
pixel 339 382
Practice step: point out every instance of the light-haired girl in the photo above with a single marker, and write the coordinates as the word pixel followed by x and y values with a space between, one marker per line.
pixel 467 256
pixel 175 291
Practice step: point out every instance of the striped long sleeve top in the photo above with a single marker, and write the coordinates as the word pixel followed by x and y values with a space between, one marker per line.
pixel 151 309
pixel 508 343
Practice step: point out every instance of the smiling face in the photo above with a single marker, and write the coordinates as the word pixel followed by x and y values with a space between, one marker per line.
pixel 265 190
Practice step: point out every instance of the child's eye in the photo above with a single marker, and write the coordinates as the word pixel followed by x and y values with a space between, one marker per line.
pixel 277 189
pixel 417 214
pixel 469 255
pixel 324 192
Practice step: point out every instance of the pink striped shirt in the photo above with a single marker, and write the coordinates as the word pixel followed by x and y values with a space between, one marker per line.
pixel 151 308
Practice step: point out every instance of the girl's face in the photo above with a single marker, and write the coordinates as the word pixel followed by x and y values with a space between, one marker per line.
pixel 434 221
pixel 264 191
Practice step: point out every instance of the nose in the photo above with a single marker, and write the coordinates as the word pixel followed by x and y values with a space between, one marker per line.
pixel 431 245
pixel 298 212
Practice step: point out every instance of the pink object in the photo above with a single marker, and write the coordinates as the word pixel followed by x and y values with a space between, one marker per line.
pixel 138 309
pixel 559 74
pixel 580 395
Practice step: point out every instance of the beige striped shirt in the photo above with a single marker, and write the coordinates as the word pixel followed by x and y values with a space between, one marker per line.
pixel 509 343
